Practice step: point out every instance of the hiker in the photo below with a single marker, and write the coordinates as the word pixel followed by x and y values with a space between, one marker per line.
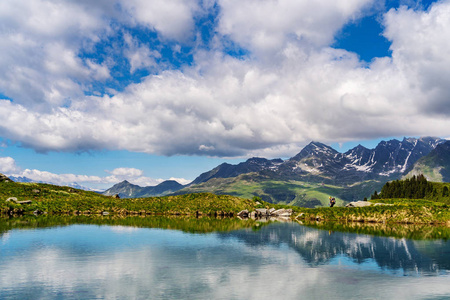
pixel 332 201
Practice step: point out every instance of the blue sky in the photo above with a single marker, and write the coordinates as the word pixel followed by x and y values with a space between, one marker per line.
pixel 99 92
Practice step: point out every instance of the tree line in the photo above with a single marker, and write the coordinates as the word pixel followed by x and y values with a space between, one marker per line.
pixel 416 187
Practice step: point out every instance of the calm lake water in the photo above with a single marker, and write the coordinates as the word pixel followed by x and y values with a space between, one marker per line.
pixel 274 261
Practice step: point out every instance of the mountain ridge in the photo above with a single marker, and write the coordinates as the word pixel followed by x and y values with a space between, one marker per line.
pixel 317 164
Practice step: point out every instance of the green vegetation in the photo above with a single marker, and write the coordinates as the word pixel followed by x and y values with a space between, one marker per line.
pixel 408 212
pixel 65 200
pixel 416 187
pixel 410 201
pixel 57 200
pixel 296 193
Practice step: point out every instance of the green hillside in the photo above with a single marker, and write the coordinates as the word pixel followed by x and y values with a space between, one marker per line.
pixel 435 166
pixel 65 200
pixel 296 193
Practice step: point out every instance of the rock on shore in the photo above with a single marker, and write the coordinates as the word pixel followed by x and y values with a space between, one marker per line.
pixel 264 212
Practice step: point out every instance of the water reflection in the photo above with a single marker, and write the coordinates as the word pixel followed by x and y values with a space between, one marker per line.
pixel 318 247
pixel 273 261
pixel 183 223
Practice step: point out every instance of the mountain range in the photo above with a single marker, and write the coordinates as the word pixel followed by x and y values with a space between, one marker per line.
pixel 317 171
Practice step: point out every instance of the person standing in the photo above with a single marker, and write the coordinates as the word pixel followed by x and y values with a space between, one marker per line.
pixel 332 201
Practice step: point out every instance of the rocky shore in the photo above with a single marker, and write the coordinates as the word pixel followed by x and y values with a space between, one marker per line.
pixel 265 213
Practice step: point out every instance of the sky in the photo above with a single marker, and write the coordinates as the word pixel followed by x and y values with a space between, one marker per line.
pixel 96 92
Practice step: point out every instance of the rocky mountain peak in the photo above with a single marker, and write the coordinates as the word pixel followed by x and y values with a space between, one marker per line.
pixel 315 149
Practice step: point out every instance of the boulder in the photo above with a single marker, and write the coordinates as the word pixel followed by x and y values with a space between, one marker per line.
pixel 282 212
pixel 358 204
pixel 261 212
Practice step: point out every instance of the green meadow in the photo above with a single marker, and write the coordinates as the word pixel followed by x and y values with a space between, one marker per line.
pixel 60 200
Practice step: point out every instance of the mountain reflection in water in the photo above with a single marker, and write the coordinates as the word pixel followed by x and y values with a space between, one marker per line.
pixel 318 247
pixel 145 258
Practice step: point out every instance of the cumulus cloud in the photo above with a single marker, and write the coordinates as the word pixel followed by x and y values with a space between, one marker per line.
pixel 39 64
pixel 266 26
pixel 172 18
pixel 8 165
pixel 420 50
pixel 288 88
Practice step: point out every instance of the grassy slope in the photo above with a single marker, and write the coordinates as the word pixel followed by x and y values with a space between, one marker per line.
pixel 57 199
pixel 296 193
pixel 431 173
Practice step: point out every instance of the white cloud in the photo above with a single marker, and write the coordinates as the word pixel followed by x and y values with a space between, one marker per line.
pixel 41 40
pixel 59 179
pixel 172 18
pixel 267 26
pixel 8 165
pixel 129 172
pixel 291 88
pixel 139 56
pixel 420 51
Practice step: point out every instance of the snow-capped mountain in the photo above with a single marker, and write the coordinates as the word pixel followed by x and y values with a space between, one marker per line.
pixel 316 162
pixel 389 157
pixel 319 162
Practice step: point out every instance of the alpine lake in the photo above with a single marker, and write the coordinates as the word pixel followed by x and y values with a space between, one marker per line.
pixel 111 257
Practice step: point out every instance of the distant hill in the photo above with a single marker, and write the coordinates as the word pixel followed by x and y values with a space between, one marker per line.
pixel 127 190
pixel 225 170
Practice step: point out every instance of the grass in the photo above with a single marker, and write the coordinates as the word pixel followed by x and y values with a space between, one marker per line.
pixel 65 200
pixel 406 211
pixel 59 200
pixel 297 193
